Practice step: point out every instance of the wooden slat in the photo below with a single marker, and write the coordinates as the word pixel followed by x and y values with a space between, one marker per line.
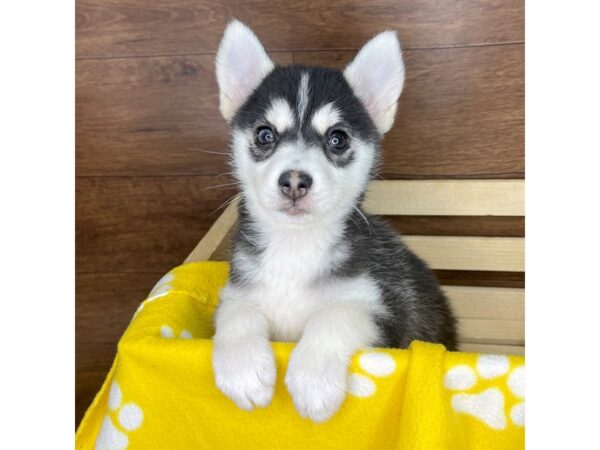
pixel 215 236
pixel 492 226
pixel 144 27
pixel 492 348
pixel 492 331
pixel 481 278
pixel 470 253
pixel 446 197
pixel 470 302
pixel 461 113
pixel 222 252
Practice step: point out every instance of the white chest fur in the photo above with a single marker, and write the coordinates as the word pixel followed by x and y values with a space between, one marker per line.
pixel 290 279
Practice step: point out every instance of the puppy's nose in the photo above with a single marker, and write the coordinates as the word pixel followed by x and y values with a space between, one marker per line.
pixel 295 184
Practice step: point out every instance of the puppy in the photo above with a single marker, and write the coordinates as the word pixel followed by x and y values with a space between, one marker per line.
pixel 308 265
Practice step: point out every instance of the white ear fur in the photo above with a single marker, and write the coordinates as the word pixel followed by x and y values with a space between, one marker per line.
pixel 242 63
pixel 377 75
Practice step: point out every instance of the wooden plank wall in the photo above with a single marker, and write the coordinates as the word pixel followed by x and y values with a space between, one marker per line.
pixel 151 144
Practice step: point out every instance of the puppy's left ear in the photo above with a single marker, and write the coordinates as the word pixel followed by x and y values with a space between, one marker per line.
pixel 377 75
pixel 242 63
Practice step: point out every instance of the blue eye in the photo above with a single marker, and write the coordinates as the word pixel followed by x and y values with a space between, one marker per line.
pixel 337 141
pixel 265 136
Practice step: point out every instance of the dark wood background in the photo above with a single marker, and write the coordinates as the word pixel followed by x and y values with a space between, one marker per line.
pixel 151 143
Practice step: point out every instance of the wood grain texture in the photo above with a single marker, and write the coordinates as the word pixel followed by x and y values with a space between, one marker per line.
pixel 105 304
pixel 470 252
pixel 150 116
pixel 150 27
pixel 470 302
pixel 446 197
pixel 461 115
pixel 491 331
pixel 480 278
pixel 492 348
pixel 219 234
pixel 459 225
pixel 143 224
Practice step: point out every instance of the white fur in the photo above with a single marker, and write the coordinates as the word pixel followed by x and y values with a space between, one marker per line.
pixel 377 75
pixel 334 191
pixel 303 96
pixel 324 118
pixel 242 358
pixel 280 115
pixel 284 300
pixel 287 293
pixel 242 63
pixel 317 372
pixel 287 297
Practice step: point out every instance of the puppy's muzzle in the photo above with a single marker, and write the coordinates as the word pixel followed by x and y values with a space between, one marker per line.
pixel 295 184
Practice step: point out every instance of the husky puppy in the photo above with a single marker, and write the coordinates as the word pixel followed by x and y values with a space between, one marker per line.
pixel 307 264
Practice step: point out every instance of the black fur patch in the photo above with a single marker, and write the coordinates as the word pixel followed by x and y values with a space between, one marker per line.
pixel 416 306
pixel 325 85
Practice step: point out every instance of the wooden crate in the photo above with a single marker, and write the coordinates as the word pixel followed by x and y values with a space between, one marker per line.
pixel 491 319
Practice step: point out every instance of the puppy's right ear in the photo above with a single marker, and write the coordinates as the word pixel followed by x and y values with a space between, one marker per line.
pixel 242 63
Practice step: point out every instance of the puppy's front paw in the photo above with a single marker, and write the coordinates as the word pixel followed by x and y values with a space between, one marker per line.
pixel 317 386
pixel 245 372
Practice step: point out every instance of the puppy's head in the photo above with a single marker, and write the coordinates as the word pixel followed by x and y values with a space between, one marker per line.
pixel 305 139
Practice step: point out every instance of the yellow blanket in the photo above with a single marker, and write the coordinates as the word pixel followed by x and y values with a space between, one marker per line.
pixel 160 392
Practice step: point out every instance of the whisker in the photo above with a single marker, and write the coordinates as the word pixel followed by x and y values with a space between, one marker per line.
pixel 224 186
pixel 365 219
pixel 226 203
pixel 354 222
pixel 208 151
pixel 224 173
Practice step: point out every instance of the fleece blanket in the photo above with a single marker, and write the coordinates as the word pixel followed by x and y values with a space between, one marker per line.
pixel 160 393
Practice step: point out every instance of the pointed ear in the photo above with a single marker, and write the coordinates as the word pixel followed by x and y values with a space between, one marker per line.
pixel 242 63
pixel 377 75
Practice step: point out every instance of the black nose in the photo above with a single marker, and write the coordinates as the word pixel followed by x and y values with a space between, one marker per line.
pixel 295 184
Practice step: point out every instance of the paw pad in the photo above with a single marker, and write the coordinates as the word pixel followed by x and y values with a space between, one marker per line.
pixel 129 417
pixel 377 364
pixel 488 405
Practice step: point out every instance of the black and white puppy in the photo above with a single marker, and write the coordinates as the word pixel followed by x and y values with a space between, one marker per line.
pixel 307 264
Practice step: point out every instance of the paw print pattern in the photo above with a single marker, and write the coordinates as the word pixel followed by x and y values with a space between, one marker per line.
pixel 129 417
pixel 167 332
pixel 377 364
pixel 516 384
pixel 160 289
pixel 489 404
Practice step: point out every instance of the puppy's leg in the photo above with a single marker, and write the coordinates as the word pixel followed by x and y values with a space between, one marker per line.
pixel 242 357
pixel 317 371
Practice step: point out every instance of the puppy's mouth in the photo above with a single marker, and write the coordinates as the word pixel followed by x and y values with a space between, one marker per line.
pixel 294 210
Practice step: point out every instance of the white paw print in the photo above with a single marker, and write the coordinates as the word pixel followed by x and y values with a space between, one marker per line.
pixel 377 364
pixel 167 332
pixel 129 418
pixel 488 405
pixel 160 289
